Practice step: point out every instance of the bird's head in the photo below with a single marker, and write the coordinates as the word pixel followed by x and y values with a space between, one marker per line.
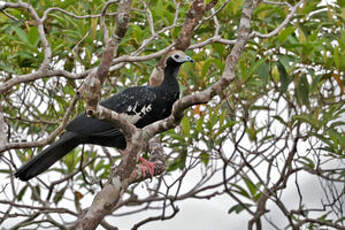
pixel 178 57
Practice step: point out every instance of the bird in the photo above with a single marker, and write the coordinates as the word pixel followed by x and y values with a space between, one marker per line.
pixel 140 105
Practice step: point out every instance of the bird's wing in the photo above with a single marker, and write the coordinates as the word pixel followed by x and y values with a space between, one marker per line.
pixel 89 126
pixel 133 103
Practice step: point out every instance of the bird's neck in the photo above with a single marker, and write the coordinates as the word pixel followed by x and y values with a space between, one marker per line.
pixel 170 76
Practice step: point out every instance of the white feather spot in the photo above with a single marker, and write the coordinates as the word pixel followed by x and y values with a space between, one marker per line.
pixel 134 118
pixel 129 109
pixel 146 109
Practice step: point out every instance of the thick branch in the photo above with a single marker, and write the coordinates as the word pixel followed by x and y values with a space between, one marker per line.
pixel 194 15
pixel 108 197
pixel 3 128
pixel 96 79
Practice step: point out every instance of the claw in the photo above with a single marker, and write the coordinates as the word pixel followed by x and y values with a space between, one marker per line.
pixel 147 166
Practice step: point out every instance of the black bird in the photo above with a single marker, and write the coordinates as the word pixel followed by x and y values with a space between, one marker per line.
pixel 141 105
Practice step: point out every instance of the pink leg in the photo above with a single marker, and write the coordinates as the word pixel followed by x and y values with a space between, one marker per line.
pixel 147 165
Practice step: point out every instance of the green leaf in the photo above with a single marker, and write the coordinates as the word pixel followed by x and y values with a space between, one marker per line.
pixel 36 193
pixel 178 137
pixel 306 118
pixel 5 171
pixel 251 133
pixel 7 68
pixel 22 192
pixel 254 68
pixel 33 36
pixel 260 107
pixel 236 5
pixel 264 72
pixel 257 196
pixel 185 126
pixel 173 166
pixel 206 67
pixel 315 83
pixel 240 190
pixel 219 48
pixel 221 118
pixel 59 195
pixel 307 162
pixel 337 59
pixel 239 208
pixel 22 35
pixel 205 158
pixel 322 138
pixel 337 124
pixel 178 163
pixel 341 3
pixel 99 165
pixel 71 159
pixel 199 124
pixel 302 36
pixel 302 91
pixel 250 185
pixel 283 76
pixel 283 35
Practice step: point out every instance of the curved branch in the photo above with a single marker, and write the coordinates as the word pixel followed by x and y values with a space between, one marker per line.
pixel 50 10
pixel 46 209
pixel 155 218
pixel 282 25
pixel 215 39
pixel 4 87
pixel 102 20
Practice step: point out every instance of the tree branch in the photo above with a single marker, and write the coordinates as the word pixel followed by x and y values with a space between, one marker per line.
pixel 3 128
pixel 194 15
pixel 108 197
pixel 283 24
pixel 52 9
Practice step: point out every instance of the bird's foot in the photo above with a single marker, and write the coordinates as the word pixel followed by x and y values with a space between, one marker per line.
pixel 147 166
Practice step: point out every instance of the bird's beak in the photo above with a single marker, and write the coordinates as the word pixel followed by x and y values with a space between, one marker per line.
pixel 188 59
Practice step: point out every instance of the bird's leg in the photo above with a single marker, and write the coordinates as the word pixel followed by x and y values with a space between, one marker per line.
pixel 147 165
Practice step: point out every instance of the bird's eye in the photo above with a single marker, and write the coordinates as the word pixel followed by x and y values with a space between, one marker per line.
pixel 176 56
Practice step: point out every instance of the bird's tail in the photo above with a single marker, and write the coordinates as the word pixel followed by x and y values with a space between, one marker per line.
pixel 48 157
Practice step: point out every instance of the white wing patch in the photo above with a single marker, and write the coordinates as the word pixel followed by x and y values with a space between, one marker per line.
pixel 134 118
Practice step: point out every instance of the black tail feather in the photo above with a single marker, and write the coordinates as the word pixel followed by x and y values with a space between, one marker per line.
pixel 48 157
